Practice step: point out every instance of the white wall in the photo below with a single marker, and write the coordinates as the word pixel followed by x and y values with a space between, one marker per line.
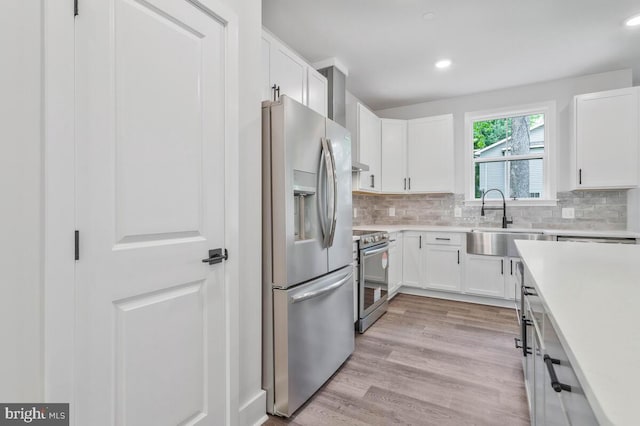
pixel 20 209
pixel 562 91
pixel 252 400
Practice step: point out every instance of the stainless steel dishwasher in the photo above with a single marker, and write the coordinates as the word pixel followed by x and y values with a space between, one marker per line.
pixel 608 240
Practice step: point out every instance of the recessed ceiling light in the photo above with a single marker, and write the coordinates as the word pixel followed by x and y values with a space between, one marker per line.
pixel 427 16
pixel 444 63
pixel 634 21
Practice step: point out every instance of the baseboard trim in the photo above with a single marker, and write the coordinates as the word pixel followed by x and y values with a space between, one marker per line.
pixel 503 303
pixel 254 412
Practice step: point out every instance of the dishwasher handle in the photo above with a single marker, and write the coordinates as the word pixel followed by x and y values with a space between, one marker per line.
pixel 327 289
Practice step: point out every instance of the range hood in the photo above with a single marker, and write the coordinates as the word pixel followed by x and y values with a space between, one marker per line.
pixel 359 167
pixel 336 75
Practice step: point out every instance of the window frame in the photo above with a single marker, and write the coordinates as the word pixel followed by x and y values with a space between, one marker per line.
pixel 547 108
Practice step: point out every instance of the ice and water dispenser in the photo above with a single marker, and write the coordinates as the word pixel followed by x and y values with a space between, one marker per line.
pixel 305 205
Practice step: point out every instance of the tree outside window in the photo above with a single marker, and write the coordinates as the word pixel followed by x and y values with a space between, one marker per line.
pixel 508 154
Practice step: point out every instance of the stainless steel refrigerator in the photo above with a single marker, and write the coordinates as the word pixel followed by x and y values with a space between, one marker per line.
pixel 308 327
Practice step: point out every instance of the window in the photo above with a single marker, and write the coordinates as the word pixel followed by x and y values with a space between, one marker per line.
pixel 511 150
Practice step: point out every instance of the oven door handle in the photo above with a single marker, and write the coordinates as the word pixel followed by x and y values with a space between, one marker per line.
pixel 367 253
pixel 312 294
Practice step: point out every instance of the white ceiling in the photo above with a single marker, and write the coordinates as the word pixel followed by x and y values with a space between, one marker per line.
pixel 390 49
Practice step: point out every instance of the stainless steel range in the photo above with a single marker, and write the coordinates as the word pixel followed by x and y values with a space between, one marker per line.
pixel 373 277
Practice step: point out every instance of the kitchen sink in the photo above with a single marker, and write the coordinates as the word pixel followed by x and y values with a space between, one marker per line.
pixel 500 242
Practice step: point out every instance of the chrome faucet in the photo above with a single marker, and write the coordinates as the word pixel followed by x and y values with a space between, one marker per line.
pixel 505 222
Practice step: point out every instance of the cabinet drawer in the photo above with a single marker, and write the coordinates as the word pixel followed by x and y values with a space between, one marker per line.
pixel 444 238
pixel 577 408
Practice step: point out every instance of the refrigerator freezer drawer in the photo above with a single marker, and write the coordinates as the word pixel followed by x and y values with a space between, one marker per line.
pixel 313 336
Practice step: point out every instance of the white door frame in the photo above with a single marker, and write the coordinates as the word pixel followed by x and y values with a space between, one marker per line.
pixel 59 201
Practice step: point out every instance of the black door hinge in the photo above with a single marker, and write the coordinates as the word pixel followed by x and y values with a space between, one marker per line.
pixel 75 8
pixel 77 245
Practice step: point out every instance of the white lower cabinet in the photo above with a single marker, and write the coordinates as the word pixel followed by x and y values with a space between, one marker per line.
pixel 395 262
pixel 492 276
pixel 512 285
pixel 412 259
pixel 485 275
pixel 433 260
pixel 560 403
pixel 443 261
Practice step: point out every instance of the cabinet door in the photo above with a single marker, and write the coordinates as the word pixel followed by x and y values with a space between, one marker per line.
pixel 412 259
pixel 317 91
pixel 606 133
pixel 442 267
pixel 430 161
pixel 485 275
pixel 395 263
pixel 394 155
pixel 369 144
pixel 539 380
pixel 267 91
pixel 288 72
pixel 512 286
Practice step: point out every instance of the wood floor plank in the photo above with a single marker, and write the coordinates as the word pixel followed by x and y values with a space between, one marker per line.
pixel 426 362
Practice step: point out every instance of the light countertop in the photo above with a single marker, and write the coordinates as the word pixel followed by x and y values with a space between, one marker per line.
pixel 592 295
pixel 559 232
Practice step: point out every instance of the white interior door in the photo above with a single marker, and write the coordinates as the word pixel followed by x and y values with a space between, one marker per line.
pixel 151 345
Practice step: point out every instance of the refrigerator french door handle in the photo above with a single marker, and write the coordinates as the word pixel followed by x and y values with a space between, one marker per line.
pixel 329 178
pixel 334 201
pixel 322 196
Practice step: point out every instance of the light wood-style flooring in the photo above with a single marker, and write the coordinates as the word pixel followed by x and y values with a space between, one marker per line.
pixel 426 362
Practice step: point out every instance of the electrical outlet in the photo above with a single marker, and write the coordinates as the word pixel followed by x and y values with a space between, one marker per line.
pixel 392 211
pixel 568 213
pixel 355 212
pixel 457 212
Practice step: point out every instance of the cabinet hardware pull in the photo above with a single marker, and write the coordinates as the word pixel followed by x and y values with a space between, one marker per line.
pixel 580 177
pixel 458 257
pixel 373 181
pixel 409 184
pixel 511 262
pixel 555 384
pixel 519 345
pixel 405 184
pixel 501 266
pixel 442 239
pixel 420 246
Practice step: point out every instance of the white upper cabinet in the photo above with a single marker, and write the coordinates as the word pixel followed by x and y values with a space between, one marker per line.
pixel 286 73
pixel 394 155
pixel 430 159
pixel 606 139
pixel 368 139
pixel 317 87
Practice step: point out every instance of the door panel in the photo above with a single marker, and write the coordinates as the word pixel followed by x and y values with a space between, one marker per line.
pixel 150 83
pixel 176 319
pixel 158 143
pixel 340 253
